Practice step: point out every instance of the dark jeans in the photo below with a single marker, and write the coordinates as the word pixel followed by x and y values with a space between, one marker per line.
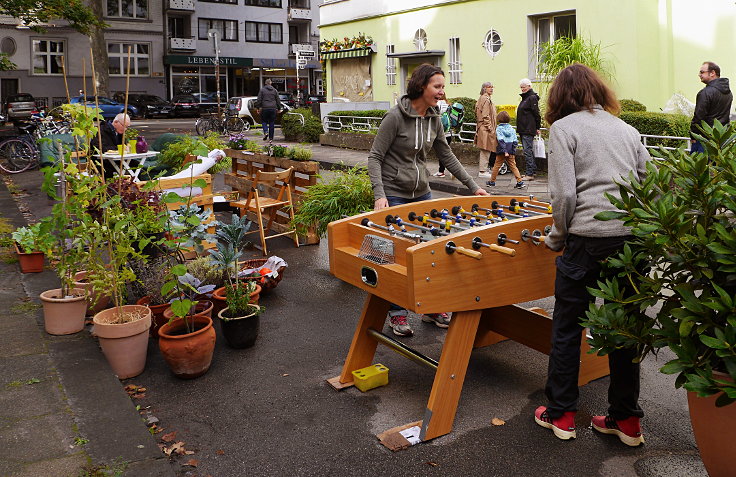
pixel 527 142
pixel 268 118
pixel 579 267
pixel 393 200
pixel 696 147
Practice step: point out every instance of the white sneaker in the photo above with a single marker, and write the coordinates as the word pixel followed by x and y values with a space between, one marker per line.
pixel 484 174
pixel 439 174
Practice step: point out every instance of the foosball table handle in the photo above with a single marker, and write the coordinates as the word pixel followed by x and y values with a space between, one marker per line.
pixel 505 250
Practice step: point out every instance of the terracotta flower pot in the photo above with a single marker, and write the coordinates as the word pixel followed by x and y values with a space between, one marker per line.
pixel 64 315
pixel 95 302
pixel 124 344
pixel 158 314
pixel 188 354
pixel 202 308
pixel 219 295
pixel 240 332
pixel 29 262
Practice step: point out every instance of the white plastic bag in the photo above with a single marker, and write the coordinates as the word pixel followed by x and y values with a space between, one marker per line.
pixel 538 147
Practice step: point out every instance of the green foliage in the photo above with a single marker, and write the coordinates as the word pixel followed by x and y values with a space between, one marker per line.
pixel 659 124
pixel 369 113
pixel 6 64
pixel 76 12
pixel 469 105
pixel 294 130
pixel 238 300
pixel 115 469
pixel 631 105
pixel 279 151
pixel 206 270
pixel 299 153
pixel 347 193
pixel 674 284
pixel 131 134
pixel 554 57
pixel 34 238
pixel 241 142
pixel 173 154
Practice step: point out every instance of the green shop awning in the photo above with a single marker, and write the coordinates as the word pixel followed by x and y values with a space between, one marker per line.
pixel 351 53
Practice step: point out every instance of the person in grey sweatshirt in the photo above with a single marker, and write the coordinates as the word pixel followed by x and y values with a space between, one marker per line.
pixel 589 150
pixel 397 162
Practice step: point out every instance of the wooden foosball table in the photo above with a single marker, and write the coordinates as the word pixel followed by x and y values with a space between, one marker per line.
pixel 456 254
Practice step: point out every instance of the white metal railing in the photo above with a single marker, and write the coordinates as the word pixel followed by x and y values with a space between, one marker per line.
pixel 182 44
pixel 187 5
pixel 645 137
pixel 333 122
pixel 301 117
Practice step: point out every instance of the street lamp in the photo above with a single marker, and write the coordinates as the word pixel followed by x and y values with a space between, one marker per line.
pixel 214 35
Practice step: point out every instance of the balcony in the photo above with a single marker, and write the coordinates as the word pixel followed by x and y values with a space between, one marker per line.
pixel 183 44
pixel 300 14
pixel 182 5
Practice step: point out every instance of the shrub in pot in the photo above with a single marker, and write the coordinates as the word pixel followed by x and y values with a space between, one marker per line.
pixel 681 266
pixel 240 319
pixel 30 244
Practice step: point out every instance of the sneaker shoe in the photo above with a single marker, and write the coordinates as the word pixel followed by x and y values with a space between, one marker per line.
pixel 527 178
pixel 628 430
pixel 491 183
pixel 400 326
pixel 440 319
pixel 265 137
pixel 563 426
pixel 484 174
pixel 439 174
pixel 520 185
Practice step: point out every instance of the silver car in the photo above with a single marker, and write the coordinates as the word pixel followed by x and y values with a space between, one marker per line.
pixel 19 106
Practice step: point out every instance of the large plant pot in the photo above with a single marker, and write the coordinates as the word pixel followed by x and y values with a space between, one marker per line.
pixel 64 315
pixel 202 308
pixel 189 355
pixel 715 433
pixel 219 296
pixel 124 344
pixel 240 332
pixel 29 262
pixel 95 301
pixel 157 311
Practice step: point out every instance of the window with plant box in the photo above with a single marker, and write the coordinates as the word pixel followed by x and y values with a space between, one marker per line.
pixel 137 9
pixel 139 58
pixel 548 29
pixel 264 32
pixel 228 29
pixel 47 56
pixel 454 66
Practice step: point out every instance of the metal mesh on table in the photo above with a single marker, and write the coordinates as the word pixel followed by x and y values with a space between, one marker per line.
pixel 377 250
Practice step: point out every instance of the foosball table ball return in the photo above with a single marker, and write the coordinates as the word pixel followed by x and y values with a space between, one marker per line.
pixel 454 254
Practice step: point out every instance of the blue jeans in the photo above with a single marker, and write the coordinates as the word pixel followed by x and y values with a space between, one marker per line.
pixel 268 117
pixel 393 200
pixel 696 147
pixel 527 142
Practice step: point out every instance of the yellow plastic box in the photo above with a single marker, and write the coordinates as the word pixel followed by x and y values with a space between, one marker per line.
pixel 370 377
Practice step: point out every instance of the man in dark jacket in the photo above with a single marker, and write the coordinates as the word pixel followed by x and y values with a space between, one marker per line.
pixel 268 104
pixel 713 102
pixel 111 136
pixel 528 124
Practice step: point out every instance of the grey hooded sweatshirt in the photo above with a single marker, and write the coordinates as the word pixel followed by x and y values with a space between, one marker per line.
pixel 398 158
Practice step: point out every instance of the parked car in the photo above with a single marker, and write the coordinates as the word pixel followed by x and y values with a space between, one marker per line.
pixel 109 108
pixel 245 108
pixel 19 106
pixel 185 105
pixel 148 105
pixel 287 99
pixel 310 100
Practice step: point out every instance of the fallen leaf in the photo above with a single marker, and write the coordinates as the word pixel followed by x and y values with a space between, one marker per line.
pixel 141 390
pixel 169 437
pixel 497 422
pixel 220 452
pixel 192 462
pixel 433 464
pixel 178 448
pixel 188 452
pixel 285 374
pixel 130 387
pixel 138 395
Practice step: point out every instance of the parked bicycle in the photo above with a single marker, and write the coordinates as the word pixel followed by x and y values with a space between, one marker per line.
pixel 19 153
pixel 223 124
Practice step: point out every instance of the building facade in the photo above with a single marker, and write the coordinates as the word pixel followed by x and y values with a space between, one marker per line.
pixel 654 47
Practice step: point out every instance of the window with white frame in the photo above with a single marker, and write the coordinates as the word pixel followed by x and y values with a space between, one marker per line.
pixel 454 66
pixel 390 66
pixel 492 43
pixel 47 56
pixel 127 8
pixel 547 29
pixel 139 58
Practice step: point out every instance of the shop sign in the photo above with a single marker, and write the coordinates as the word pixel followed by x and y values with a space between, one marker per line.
pixel 194 60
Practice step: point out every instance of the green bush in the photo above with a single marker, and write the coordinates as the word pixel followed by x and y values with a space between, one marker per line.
pixel 659 124
pixel 294 130
pixel 631 105
pixel 469 105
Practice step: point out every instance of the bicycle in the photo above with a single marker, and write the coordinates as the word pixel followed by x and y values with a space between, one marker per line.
pixel 225 124
pixel 19 153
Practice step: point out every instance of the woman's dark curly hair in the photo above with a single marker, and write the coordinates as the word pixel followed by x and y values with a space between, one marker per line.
pixel 420 78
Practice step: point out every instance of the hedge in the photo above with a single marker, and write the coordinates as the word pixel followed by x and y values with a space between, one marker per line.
pixel 295 131
pixel 659 124
pixel 631 105
pixel 369 113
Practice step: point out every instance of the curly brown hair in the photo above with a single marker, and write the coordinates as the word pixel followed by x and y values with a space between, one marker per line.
pixel 420 79
pixel 576 88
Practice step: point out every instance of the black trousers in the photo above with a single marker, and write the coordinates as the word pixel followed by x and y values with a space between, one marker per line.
pixel 579 267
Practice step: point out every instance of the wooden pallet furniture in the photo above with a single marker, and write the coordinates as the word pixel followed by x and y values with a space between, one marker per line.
pixel 480 285
pixel 245 166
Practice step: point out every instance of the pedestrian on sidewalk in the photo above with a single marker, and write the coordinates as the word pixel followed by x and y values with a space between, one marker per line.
pixel 268 104
pixel 397 162
pixel 506 151
pixel 713 102
pixel 443 106
pixel 485 129
pixel 590 148
pixel 528 125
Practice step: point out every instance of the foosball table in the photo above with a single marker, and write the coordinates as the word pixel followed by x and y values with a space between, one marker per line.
pixel 474 256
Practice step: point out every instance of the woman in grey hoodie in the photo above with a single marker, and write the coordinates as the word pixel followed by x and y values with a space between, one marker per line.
pixel 397 163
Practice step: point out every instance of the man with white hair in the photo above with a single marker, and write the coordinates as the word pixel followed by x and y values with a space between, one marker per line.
pixel 528 125
pixel 110 137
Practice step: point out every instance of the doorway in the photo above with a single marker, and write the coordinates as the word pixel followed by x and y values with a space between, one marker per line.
pixel 8 86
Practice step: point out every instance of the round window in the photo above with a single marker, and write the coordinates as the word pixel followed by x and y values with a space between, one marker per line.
pixel 492 43
pixel 7 46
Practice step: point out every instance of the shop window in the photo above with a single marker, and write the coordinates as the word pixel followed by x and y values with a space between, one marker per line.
pixel 454 66
pixel 228 28
pixel 139 58
pixel 390 66
pixel 137 9
pixel 47 56
pixel 263 32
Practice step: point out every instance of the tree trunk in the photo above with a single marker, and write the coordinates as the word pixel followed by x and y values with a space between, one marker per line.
pixel 99 53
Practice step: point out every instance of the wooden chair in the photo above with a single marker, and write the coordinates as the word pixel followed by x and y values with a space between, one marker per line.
pixel 258 204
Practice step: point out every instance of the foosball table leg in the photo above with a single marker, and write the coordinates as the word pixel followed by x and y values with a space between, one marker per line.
pixel 363 347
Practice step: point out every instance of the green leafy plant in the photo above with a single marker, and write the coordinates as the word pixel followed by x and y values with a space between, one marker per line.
pixel 674 284
pixel 213 141
pixel 659 124
pixel 131 134
pixel 34 238
pixel 554 57
pixel 299 153
pixel 207 271
pixel 346 193
pixel 294 130
pixel 631 105
pixel 189 226
pixel 279 151
pixel 173 155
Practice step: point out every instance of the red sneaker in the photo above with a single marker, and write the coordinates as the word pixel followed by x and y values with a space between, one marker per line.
pixel 628 430
pixel 563 427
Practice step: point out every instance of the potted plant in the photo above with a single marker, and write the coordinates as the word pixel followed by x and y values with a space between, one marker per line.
pixel 680 266
pixel 30 244
pixel 151 275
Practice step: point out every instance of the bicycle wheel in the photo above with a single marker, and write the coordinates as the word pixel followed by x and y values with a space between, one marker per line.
pixel 214 125
pixel 17 156
pixel 201 125
pixel 234 125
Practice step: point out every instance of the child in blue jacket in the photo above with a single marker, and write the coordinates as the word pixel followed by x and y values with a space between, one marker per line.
pixel 506 150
